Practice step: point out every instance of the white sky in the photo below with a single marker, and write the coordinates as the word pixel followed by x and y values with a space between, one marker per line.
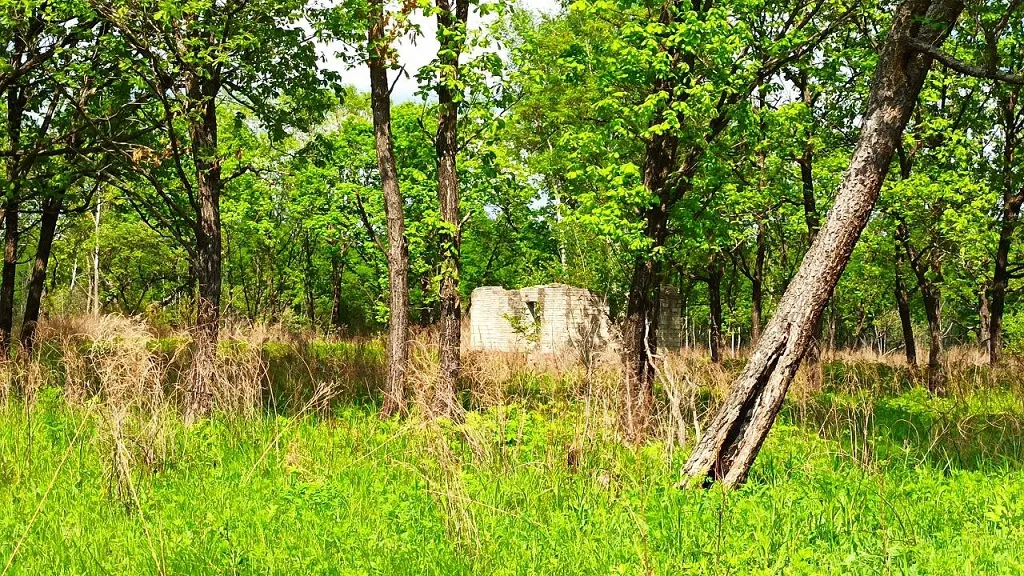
pixel 415 55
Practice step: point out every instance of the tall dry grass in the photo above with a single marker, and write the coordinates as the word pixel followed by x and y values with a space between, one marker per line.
pixel 125 366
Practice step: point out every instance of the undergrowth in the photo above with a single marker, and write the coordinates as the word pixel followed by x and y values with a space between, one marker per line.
pixel 295 474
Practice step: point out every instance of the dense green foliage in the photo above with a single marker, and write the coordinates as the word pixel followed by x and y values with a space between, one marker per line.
pixel 555 111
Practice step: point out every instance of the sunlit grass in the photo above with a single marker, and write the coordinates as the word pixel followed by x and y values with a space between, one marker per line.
pixel 514 491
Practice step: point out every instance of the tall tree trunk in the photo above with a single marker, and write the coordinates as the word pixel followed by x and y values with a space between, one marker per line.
pixel 640 328
pixel 715 273
pixel 207 257
pixel 903 307
pixel 452 28
pixel 397 250
pixel 734 437
pixel 1013 197
pixel 16 101
pixel 757 287
pixel 812 218
pixel 8 276
pixel 47 230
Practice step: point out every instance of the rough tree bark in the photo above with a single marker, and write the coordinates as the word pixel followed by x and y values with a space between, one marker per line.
pixel 734 437
pixel 452 28
pixel 640 328
pixel 397 249
pixel 47 230
pixel 1011 120
pixel 206 260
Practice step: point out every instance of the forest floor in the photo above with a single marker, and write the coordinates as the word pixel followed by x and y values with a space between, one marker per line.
pixel 854 481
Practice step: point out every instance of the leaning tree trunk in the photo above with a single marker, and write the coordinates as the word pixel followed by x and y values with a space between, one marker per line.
pixel 37 282
pixel 398 252
pixel 452 27
pixel 1013 197
pixel 734 437
pixel 206 261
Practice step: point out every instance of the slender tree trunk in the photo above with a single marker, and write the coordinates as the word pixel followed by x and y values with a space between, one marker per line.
pixel 812 218
pixel 933 310
pixel 1013 197
pixel 931 294
pixel 715 273
pixel 207 257
pixel 903 307
pixel 308 280
pixel 47 230
pixel 452 26
pixel 398 252
pixel 734 437
pixel 757 287
pixel 16 101
pixel 8 276
pixel 337 274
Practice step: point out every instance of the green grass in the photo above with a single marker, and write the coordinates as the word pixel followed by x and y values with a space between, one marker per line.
pixel 348 494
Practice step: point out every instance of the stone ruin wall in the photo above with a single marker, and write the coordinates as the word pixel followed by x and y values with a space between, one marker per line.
pixel 554 318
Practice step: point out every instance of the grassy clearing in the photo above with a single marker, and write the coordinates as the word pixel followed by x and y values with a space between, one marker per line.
pixel 514 491
pixel 297 475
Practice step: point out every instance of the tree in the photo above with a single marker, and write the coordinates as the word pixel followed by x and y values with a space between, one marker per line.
pixel 187 57
pixel 451 35
pixel 381 57
pixel 734 437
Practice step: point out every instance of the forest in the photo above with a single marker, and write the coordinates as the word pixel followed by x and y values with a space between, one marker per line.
pixel 242 239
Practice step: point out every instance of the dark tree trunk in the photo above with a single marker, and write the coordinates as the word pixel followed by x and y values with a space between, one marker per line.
pixel 931 294
pixel 812 218
pixel 47 230
pixel 16 101
pixel 734 437
pixel 933 310
pixel 309 277
pixel 337 274
pixel 757 287
pixel 397 249
pixel 903 307
pixel 8 276
pixel 640 328
pixel 715 273
pixel 1013 197
pixel 452 25
pixel 206 263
